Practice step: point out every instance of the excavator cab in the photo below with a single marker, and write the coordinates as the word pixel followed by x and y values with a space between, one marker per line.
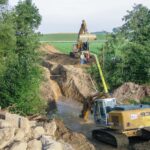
pixel 101 109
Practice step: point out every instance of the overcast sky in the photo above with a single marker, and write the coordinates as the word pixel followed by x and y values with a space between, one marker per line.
pixel 66 15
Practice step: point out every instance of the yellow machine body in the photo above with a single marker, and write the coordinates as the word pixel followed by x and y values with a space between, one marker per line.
pixel 87 37
pixel 129 122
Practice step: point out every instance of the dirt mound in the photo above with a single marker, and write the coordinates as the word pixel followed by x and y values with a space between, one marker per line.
pixel 50 53
pixel 131 91
pixel 76 140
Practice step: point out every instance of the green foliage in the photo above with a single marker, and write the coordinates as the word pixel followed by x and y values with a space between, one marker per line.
pixel 59 37
pixel 27 16
pixel 8 41
pixel 20 80
pixel 126 54
pixel 132 101
pixel 3 1
pixel 145 100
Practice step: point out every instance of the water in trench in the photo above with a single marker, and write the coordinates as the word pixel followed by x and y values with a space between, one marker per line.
pixel 69 112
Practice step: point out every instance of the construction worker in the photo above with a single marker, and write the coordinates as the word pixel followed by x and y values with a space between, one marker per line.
pixel 87 56
pixel 82 58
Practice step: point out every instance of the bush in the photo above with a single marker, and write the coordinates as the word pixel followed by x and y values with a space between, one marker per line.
pixel 20 78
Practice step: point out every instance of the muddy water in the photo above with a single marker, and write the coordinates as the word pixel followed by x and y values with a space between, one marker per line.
pixel 69 111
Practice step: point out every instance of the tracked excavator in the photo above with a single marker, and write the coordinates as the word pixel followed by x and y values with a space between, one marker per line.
pixel 116 122
pixel 83 39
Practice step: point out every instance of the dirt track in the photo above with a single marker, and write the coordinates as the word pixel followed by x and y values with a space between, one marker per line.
pixel 68 80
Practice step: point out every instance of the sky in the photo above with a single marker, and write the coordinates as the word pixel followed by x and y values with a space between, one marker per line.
pixel 61 16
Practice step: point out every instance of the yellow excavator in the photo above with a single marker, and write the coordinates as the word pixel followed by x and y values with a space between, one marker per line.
pixel 83 39
pixel 117 122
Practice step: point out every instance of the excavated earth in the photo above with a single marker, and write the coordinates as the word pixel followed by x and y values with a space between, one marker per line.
pixel 131 91
pixel 66 84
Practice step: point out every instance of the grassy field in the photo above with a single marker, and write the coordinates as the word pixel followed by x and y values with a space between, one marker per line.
pixel 67 47
pixel 64 41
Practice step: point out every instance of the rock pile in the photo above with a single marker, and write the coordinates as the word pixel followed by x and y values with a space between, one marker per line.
pixel 19 133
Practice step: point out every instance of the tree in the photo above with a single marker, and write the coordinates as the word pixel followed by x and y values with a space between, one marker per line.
pixel 126 53
pixel 20 83
pixel 3 1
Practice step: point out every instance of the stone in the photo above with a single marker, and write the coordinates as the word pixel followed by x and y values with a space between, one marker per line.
pixel 24 124
pixel 66 146
pixel 12 118
pixel 38 131
pixel 16 121
pixel 34 145
pixel 50 128
pixel 50 144
pixel 6 136
pixel 19 135
pixel 5 124
pixel 19 146
pixel 33 123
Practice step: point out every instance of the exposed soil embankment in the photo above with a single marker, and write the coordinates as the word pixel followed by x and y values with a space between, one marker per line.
pixel 66 77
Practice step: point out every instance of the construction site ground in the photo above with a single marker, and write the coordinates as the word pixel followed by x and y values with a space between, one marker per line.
pixel 67 85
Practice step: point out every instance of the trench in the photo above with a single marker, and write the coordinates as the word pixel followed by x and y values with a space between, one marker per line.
pixel 69 112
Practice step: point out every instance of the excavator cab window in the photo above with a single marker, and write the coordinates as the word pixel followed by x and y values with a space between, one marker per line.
pixel 100 115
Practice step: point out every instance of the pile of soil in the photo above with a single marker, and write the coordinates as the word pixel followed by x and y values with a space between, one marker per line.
pixel 131 91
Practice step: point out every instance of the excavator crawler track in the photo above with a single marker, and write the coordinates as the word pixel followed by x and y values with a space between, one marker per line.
pixel 110 137
pixel 146 133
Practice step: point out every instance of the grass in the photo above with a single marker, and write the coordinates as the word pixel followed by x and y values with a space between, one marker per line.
pixel 64 41
pixel 59 37
pixel 65 37
pixel 67 47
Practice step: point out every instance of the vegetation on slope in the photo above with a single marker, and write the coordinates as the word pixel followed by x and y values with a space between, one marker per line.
pixel 19 72
pixel 126 55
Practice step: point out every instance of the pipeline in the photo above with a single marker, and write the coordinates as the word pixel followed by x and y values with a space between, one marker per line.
pixel 101 73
